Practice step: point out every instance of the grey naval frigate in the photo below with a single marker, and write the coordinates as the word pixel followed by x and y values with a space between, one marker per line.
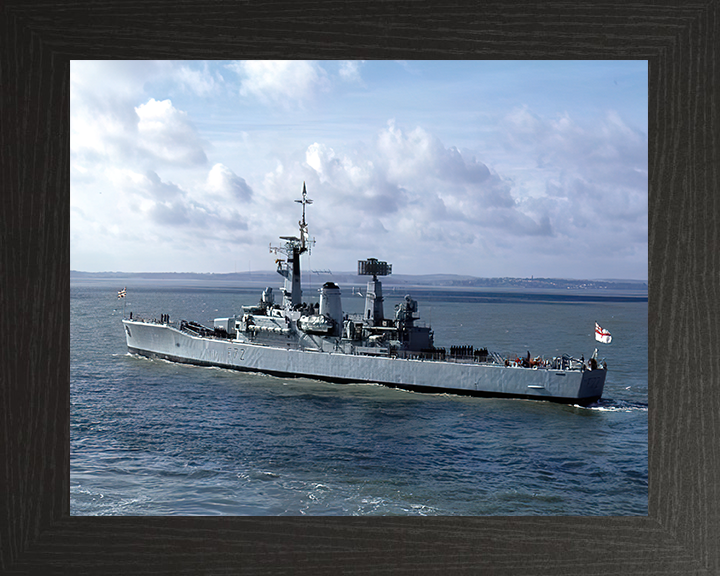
pixel 293 338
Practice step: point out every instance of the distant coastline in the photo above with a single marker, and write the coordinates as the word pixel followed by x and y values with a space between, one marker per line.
pixel 450 281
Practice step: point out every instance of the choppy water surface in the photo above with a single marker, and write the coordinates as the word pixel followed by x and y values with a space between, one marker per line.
pixel 151 437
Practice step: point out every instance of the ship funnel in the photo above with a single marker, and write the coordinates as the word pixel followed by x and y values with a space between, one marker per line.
pixel 331 306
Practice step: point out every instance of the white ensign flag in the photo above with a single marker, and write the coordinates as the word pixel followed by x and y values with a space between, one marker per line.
pixel 602 335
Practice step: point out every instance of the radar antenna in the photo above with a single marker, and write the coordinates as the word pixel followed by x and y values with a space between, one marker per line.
pixel 373 314
pixel 373 267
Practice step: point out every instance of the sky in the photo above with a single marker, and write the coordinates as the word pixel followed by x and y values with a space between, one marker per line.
pixel 479 168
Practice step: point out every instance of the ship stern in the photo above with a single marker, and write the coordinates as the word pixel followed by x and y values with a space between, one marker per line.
pixel 592 385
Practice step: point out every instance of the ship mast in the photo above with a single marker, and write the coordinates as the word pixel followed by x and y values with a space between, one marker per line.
pixel 304 243
pixel 373 314
pixel 294 247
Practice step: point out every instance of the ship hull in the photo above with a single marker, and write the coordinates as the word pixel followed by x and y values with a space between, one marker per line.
pixel 472 378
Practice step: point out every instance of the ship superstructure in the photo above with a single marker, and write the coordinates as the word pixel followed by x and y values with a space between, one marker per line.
pixel 295 338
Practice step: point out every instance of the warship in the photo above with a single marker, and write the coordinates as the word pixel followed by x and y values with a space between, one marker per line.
pixel 317 340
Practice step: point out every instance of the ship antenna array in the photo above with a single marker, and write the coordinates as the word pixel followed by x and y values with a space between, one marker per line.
pixel 373 267
pixel 303 244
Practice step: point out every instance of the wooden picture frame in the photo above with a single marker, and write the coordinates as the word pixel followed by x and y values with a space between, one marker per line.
pixel 680 535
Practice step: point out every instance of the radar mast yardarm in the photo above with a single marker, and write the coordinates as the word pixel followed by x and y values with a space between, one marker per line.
pixel 294 247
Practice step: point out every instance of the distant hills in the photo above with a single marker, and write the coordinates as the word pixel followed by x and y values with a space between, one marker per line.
pixel 553 284
pixel 352 279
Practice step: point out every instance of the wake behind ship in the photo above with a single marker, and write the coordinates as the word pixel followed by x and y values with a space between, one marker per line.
pixel 293 338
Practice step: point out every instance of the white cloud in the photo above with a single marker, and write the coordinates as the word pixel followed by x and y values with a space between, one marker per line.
pixel 456 185
pixel 167 134
pixel 407 195
pixel 284 82
pixel 117 131
pixel 112 81
pixel 148 205
pixel 417 153
pixel 316 155
pixel 411 197
pixel 174 169
pixel 595 184
pixel 201 82
pixel 602 170
pixel 224 181
pixel 350 71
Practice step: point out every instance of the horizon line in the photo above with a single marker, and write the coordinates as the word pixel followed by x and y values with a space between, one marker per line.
pixel 351 273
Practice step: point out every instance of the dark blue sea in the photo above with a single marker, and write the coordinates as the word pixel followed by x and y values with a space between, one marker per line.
pixel 150 437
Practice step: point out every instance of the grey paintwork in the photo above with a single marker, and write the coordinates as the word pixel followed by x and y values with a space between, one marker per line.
pixel 165 341
pixel 297 339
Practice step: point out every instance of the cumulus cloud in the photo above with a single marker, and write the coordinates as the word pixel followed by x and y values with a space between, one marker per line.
pixel 224 181
pixel 103 82
pixel 281 82
pixel 100 128
pixel 156 188
pixel 592 175
pixel 147 223
pixel 104 122
pixel 166 133
pixel 586 201
pixel 539 188
pixel 417 153
pixel 350 71
pixel 116 131
pixel 355 182
pixel 201 82
pixel 148 202
pixel 563 143
pixel 406 190
pixel 592 182
pixel 291 84
pixel 457 186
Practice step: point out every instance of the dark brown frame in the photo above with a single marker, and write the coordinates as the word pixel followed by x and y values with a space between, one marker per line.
pixel 681 42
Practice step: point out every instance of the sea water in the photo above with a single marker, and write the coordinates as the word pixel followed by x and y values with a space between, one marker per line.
pixel 151 437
